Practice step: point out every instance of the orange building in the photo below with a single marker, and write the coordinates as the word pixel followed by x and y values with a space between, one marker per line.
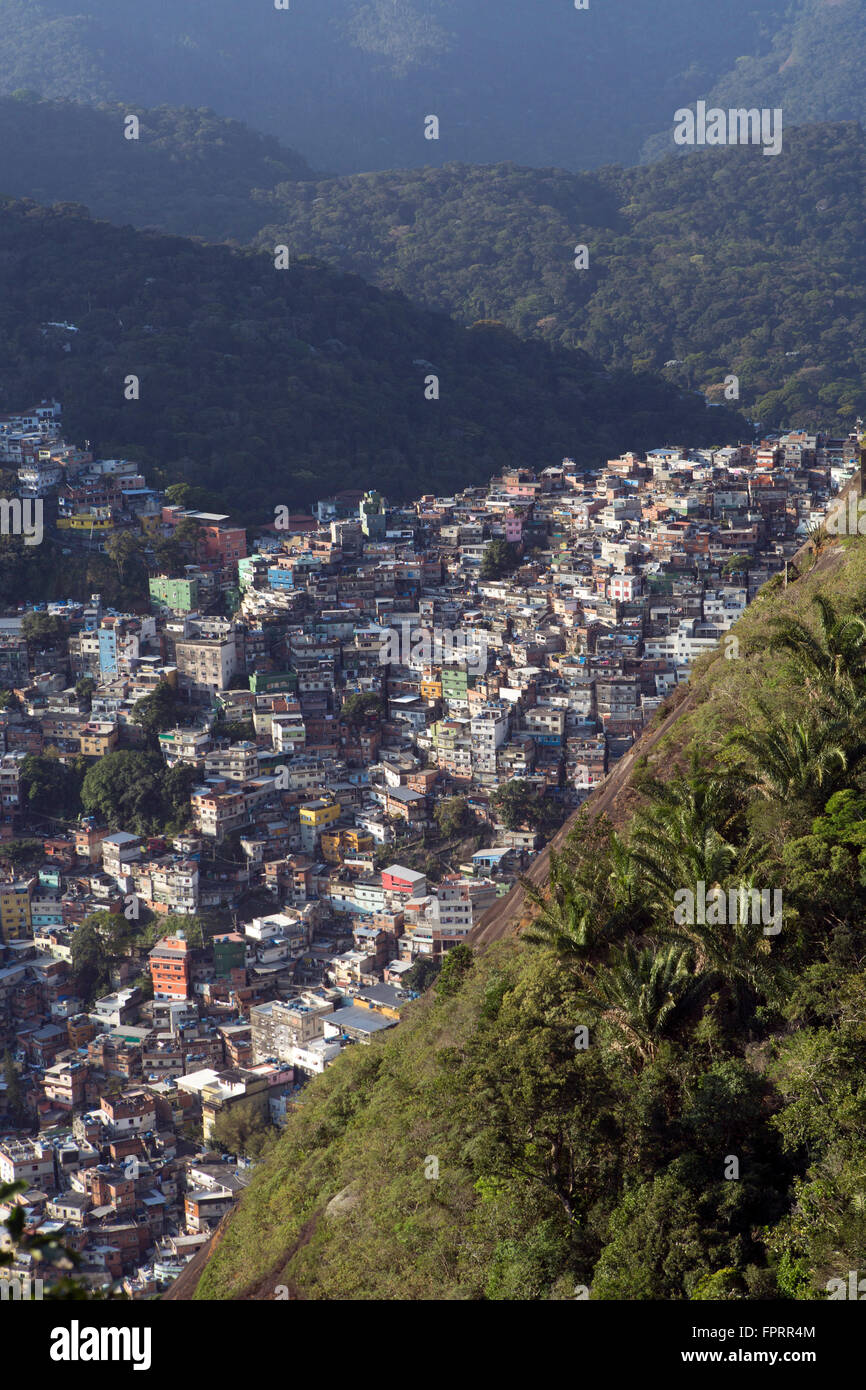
pixel 170 968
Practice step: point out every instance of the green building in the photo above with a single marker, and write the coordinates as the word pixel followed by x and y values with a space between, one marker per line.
pixel 253 571
pixel 273 682
pixel 229 953
pixel 180 595
pixel 455 682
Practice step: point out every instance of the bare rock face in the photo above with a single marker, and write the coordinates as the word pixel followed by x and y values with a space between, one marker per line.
pixel 343 1203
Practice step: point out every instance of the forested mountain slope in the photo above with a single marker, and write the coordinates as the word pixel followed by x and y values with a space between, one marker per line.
pixel 277 386
pixel 703 1139
pixel 349 82
pixel 188 171
pixel 810 69
pixel 722 262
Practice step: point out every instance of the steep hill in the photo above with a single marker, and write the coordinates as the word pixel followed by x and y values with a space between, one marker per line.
pixel 276 386
pixel 722 262
pixel 703 1139
pixel 189 171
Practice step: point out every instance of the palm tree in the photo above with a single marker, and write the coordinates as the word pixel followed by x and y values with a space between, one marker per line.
pixel 806 760
pixel 819 537
pixel 646 993
pixel 589 899
pixel 831 662
pixel 683 837
pixel 564 919
pixel 733 954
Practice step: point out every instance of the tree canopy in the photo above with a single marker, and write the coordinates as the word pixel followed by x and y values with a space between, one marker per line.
pixel 136 791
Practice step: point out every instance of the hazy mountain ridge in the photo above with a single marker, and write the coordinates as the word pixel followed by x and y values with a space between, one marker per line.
pixel 725 262
pixel 810 71
pixel 188 171
pixel 349 82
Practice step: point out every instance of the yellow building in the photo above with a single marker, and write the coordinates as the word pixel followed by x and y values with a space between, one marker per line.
pixel 97 739
pixel 358 841
pixel 15 920
pixel 431 690
pixel 83 521
pixel 336 844
pixel 317 814
pixel 314 818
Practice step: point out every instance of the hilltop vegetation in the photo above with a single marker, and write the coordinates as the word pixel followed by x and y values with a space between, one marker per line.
pixel 349 83
pixel 724 262
pixel 810 68
pixel 272 387
pixel 189 172
pixel 704 1139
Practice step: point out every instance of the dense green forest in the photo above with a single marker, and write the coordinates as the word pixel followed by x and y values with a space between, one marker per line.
pixel 190 172
pixel 810 68
pixel 629 1098
pixel 276 386
pixel 349 82
pixel 724 262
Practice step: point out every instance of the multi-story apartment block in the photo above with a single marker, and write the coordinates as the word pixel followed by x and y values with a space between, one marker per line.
pixel 279 1029
pixel 488 732
pixel 236 762
pixel 122 641
pixel 316 816
pixel 179 595
pixel 546 725
pixel 217 808
pixel 170 964
pixel 14 661
pixel 206 665
pixel 27 1160
pixel 15 918
pixel 168 884
pixel 185 745
pixel 119 852
pixel 98 737
pixel 132 1112
pixel 10 781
